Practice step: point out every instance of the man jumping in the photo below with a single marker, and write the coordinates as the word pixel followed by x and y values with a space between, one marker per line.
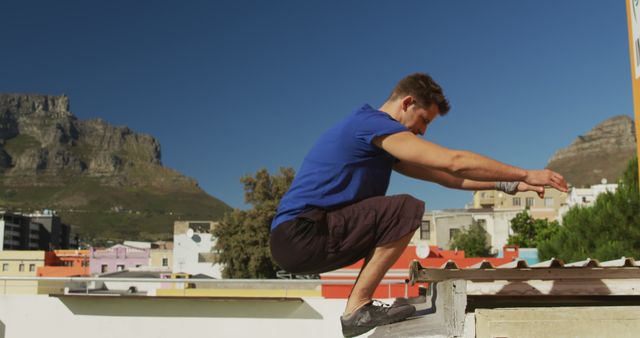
pixel 336 211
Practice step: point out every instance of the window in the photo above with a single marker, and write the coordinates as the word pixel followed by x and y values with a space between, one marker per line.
pixel 21 267
pixel 119 267
pixel 32 267
pixel 529 201
pixel 425 229
pixel 104 268
pixel 548 202
pixel 453 233
pixel 516 201
pixel 165 262
pixel 5 267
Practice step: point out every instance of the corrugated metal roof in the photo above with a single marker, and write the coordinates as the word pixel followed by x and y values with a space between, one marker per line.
pixel 622 268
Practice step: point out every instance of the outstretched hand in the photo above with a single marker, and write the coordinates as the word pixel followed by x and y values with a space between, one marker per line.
pixel 542 178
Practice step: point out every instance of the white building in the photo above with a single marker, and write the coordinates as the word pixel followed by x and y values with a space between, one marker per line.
pixel 586 196
pixel 439 226
pixel 193 248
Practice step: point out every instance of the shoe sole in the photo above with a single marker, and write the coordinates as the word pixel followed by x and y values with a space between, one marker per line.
pixel 364 329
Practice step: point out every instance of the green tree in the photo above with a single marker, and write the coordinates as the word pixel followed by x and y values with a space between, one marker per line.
pixel 243 235
pixel 530 232
pixel 607 230
pixel 474 241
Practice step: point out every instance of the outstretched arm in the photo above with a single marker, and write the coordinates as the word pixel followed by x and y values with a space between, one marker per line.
pixel 450 181
pixel 438 176
pixel 409 148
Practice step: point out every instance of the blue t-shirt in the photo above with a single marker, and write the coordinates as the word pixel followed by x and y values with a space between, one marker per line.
pixel 343 167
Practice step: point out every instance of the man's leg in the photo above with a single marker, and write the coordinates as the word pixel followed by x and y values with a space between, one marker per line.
pixel 374 269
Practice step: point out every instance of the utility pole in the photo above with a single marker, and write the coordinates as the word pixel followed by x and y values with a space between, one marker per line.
pixel 633 19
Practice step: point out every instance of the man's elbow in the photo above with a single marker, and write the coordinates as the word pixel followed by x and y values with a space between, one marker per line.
pixel 458 163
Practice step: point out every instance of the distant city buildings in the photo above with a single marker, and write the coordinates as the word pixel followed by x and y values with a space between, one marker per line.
pixel 23 255
pixel 23 251
pixel 493 210
pixel 37 231
pixel 587 196
pixel 546 208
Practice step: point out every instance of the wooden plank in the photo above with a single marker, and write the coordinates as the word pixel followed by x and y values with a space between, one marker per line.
pixel 496 302
pixel 435 275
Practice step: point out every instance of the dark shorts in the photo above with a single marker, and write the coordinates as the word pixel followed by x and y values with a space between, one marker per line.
pixel 323 240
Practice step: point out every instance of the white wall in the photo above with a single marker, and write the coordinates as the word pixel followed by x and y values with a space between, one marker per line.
pixel 185 255
pixel 28 316
pixel 502 227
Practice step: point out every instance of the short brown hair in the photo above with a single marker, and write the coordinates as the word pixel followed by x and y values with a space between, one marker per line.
pixel 424 89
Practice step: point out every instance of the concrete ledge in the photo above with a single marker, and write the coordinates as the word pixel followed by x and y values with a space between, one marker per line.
pixel 186 298
pixel 600 322
pixel 443 314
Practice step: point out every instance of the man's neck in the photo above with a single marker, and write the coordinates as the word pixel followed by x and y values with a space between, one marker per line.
pixel 392 108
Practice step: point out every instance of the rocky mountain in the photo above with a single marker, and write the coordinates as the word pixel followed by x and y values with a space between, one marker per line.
pixel 106 180
pixel 603 152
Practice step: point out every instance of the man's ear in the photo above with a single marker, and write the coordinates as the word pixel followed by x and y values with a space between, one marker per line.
pixel 407 101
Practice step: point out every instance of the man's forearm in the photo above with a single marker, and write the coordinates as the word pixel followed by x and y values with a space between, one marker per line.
pixel 441 177
pixel 469 165
pixel 476 185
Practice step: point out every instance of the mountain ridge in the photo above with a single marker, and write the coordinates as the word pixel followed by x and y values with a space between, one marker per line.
pixel 601 153
pixel 95 174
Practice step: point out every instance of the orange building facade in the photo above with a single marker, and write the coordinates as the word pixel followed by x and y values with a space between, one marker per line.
pixel 65 263
pixel 400 271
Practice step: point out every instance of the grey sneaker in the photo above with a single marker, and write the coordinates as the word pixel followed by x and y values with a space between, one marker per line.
pixel 374 314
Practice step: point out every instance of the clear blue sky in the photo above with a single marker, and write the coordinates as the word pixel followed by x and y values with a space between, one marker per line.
pixel 228 87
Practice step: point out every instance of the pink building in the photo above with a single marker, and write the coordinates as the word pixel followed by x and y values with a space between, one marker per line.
pixel 117 258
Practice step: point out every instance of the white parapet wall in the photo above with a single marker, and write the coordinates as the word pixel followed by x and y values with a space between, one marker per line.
pixel 28 316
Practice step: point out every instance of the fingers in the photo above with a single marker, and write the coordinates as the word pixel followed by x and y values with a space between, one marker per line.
pixel 558 182
pixel 548 177
pixel 537 179
pixel 539 191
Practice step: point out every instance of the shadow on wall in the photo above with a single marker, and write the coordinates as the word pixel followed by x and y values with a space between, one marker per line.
pixel 294 308
pixel 1 329
pixel 596 287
